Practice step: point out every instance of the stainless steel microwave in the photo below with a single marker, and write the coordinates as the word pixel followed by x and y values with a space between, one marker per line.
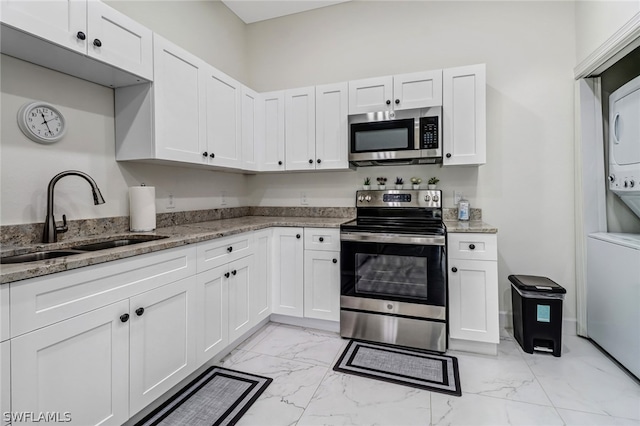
pixel 412 136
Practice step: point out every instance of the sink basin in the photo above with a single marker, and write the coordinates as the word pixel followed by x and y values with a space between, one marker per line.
pixel 134 239
pixel 41 255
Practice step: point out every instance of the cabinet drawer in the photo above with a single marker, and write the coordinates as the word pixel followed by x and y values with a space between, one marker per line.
pixel 325 239
pixel 473 246
pixel 42 301
pixel 212 254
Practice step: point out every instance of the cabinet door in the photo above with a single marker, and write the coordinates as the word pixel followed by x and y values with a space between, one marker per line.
pixel 223 119
pixel 473 300
pixel 162 342
pixel 241 274
pixel 288 272
pixel 370 95
pixel 118 40
pixel 464 115
pixel 250 107
pixel 78 366
pixel 331 126
pixel 5 381
pixel 417 90
pixel 260 290
pixel 212 319
pixel 322 285
pixel 300 128
pixel 271 131
pixel 58 22
pixel 180 120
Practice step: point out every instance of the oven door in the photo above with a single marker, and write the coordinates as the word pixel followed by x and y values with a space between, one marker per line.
pixel 377 271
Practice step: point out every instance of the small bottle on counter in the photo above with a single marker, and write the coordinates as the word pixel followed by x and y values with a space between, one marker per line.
pixel 463 209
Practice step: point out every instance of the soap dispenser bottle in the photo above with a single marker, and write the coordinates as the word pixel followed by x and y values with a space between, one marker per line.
pixel 463 209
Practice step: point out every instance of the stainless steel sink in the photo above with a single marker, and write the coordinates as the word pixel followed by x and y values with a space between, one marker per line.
pixel 100 245
pixel 134 239
pixel 41 255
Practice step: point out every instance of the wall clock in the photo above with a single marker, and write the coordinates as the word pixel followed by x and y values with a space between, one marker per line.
pixel 41 122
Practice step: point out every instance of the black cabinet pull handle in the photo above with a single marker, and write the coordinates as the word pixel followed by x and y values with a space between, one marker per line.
pixel 279 163
pixel 454 269
pixel 310 161
pixel 97 43
pixel 226 275
pixel 335 260
pixel 80 35
pixel 388 102
pixel 321 239
pixel 298 236
pixel 212 155
pixel 139 312
pixel 472 246
pixel 448 155
pixel 204 154
pixel 124 317
pixel 397 101
pixel 230 249
pixel 234 272
pixel 319 161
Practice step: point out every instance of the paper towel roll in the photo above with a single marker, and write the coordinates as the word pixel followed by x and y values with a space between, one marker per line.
pixel 142 208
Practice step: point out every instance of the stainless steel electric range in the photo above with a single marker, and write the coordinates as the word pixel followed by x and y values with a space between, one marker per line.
pixel 393 270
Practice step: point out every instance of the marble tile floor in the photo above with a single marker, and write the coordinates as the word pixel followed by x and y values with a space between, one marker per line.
pixel 583 387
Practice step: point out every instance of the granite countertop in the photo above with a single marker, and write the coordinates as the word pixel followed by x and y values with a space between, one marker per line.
pixel 176 236
pixel 455 226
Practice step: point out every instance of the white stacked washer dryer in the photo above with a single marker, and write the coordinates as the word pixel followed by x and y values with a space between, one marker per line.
pixel 613 259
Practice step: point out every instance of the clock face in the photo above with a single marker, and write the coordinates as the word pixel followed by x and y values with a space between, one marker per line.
pixel 41 122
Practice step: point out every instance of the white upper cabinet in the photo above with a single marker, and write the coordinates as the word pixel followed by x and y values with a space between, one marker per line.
pixel 271 132
pixel 464 115
pixel 224 99
pixel 300 128
pixel 56 35
pixel 249 133
pixel 331 126
pixel 403 91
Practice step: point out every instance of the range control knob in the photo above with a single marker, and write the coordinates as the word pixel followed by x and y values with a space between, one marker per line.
pixel 436 198
pixel 367 198
pixel 612 178
pixel 361 198
pixel 427 197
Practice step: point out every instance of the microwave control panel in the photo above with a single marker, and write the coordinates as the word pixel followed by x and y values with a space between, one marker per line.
pixel 429 132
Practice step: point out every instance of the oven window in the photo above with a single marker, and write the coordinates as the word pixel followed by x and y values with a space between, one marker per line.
pixel 390 275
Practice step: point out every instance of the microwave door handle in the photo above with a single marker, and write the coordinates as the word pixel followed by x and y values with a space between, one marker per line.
pixel 616 120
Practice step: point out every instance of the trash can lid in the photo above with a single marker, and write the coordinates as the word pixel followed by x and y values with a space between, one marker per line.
pixel 536 284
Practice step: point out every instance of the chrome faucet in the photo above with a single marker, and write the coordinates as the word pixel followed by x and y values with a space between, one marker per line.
pixel 51 230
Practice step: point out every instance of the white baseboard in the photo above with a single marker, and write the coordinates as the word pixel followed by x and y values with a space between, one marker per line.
pixel 333 326
pixel 569 325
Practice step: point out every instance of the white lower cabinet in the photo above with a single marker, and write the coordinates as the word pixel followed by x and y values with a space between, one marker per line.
pixel 163 340
pixel 288 272
pixel 5 382
pixel 77 368
pixel 260 295
pixel 322 285
pixel 239 281
pixel 473 287
pixel 212 329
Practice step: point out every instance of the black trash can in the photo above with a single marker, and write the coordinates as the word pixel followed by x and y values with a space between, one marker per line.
pixel 537 313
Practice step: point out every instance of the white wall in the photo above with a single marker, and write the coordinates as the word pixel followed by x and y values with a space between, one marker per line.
pixel 526 187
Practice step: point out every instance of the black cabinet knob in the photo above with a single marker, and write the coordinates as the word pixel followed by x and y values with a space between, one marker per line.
pixel 388 102
pixel 448 155
pixel 212 155
pixel 321 239
pixel 226 275
pixel 97 43
pixel 81 36
pixel 318 161
pixel 279 163
pixel 454 269
pixel 204 154
pixel 335 260
pixel 397 101
pixel 234 272
pixel 139 312
pixel 310 161
pixel 472 246
pixel 124 317
pixel 298 236
pixel 230 249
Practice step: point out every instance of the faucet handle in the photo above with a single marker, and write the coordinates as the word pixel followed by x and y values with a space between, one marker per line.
pixel 64 227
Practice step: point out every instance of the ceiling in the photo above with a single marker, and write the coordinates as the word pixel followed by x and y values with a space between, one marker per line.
pixel 259 10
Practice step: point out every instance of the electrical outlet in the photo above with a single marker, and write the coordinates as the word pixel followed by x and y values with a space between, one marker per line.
pixel 456 197
pixel 223 198
pixel 303 199
pixel 171 203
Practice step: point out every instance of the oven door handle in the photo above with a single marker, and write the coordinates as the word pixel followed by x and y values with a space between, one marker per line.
pixel 376 237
